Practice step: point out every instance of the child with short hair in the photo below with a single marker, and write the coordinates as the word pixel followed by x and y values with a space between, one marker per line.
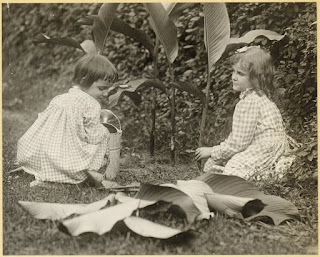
pixel 258 137
pixel 68 140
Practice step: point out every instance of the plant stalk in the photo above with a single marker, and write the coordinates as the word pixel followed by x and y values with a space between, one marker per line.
pixel 154 101
pixel 173 120
pixel 205 109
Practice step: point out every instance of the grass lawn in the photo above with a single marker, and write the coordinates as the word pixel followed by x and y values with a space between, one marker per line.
pixel 23 235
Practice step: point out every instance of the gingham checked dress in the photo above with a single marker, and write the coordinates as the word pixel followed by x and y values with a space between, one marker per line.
pixel 66 139
pixel 257 139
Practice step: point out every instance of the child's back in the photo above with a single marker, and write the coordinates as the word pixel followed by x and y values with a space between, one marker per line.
pixel 68 139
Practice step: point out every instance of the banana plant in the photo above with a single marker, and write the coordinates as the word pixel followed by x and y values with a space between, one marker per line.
pixel 166 34
pixel 217 40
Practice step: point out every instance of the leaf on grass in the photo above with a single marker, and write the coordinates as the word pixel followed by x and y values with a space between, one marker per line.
pixel 148 228
pixel 101 221
pixel 190 88
pixel 132 88
pixel 58 211
pixel 234 206
pixel 122 198
pixel 249 37
pixel 196 190
pixel 170 194
pixel 277 208
pixel 67 41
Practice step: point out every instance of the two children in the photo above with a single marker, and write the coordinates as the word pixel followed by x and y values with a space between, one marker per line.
pixel 68 140
pixel 258 137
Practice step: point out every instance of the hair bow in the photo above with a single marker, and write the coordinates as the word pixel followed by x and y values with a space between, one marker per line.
pixel 245 48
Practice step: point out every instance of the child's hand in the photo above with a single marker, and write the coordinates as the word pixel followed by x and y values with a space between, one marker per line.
pixel 202 153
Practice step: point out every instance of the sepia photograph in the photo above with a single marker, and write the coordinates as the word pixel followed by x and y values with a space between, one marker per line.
pixel 159 128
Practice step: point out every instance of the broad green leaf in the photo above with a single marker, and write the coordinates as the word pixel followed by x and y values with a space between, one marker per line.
pixel 89 47
pixel 234 206
pixel 122 198
pixel 130 90
pixel 217 31
pixel 190 88
pixel 58 211
pixel 172 195
pixel 102 24
pixel 175 9
pixel 249 37
pixel 120 26
pixel 67 41
pixel 164 28
pixel 102 221
pixel 277 208
pixel 148 228
pixel 196 190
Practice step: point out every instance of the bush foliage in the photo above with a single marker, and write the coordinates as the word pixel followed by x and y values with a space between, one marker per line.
pixel 33 74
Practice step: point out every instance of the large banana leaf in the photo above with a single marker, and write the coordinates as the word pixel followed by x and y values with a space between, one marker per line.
pixel 148 228
pixel 120 26
pixel 58 211
pixel 203 198
pixel 102 221
pixel 249 37
pixel 131 88
pixel 276 208
pixel 164 28
pixel 216 27
pixel 67 41
pixel 102 24
pixel 170 194
pixel 175 9
pixel 190 88
pixel 217 31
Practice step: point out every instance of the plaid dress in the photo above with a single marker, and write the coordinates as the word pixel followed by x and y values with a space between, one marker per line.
pixel 66 139
pixel 257 139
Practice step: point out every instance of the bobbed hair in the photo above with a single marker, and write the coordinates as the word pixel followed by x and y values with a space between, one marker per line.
pixel 260 67
pixel 93 67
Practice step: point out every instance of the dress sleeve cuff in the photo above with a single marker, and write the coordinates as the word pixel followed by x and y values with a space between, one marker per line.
pixel 215 153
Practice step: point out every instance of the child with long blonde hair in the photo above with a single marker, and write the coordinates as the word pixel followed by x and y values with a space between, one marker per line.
pixel 258 137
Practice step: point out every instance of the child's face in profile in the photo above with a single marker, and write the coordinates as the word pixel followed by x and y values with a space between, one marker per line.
pixel 98 89
pixel 240 78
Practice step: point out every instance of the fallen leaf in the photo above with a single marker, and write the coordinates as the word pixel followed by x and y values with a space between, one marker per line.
pixel 172 195
pixel 101 221
pixel 277 208
pixel 148 228
pixel 58 211
pixel 234 206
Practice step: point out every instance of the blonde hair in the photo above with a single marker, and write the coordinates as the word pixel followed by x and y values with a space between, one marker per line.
pixel 93 67
pixel 260 68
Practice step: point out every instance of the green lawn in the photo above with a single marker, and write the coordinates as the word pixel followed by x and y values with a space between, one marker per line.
pixel 23 235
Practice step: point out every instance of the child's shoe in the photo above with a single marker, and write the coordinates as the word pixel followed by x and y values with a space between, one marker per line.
pixel 38 183
pixel 107 184
pixel 95 177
